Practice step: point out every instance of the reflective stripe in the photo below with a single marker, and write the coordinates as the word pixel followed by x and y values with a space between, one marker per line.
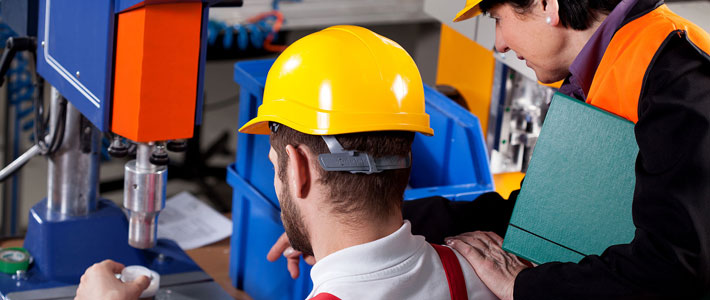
pixel 620 76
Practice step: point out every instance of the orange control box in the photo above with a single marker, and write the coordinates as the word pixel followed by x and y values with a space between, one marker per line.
pixel 156 71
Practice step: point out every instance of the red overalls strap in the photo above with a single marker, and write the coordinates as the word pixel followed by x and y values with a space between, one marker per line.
pixel 452 268
pixel 325 296
pixel 454 274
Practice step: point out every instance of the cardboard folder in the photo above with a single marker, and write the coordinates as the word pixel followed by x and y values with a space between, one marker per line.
pixel 576 196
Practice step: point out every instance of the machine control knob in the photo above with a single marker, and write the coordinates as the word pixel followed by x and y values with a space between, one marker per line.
pixel 177 145
pixel 159 157
pixel 118 148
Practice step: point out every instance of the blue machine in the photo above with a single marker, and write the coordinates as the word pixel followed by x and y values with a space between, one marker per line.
pixel 75 54
pixel 76 42
pixel 453 164
pixel 72 229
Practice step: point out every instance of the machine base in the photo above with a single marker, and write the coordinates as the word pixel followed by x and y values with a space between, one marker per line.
pixel 181 286
pixel 62 249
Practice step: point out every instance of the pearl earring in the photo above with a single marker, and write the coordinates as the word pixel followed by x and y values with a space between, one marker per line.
pixel 548 20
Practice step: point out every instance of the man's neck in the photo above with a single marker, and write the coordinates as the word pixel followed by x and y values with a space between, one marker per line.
pixel 329 234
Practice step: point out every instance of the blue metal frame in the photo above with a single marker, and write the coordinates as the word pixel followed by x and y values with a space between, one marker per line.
pixel 122 5
pixel 201 70
pixel 82 40
pixel 78 36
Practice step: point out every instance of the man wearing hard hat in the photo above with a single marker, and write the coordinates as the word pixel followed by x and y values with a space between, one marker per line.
pixel 341 107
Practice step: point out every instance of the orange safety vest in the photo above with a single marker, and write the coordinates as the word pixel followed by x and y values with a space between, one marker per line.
pixel 621 74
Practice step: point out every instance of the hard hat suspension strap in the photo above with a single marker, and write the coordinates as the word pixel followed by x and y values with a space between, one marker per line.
pixel 354 162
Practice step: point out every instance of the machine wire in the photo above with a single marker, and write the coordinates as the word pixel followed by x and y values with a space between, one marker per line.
pixel 41 123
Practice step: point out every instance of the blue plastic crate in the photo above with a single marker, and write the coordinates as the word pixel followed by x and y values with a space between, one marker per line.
pixel 453 164
pixel 256 226
pixel 252 150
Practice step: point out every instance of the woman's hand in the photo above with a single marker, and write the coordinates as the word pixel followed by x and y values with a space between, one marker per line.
pixel 495 267
pixel 100 282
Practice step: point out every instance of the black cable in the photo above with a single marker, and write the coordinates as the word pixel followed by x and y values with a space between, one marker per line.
pixel 42 121
pixel 14 45
pixel 58 136
pixel 7 56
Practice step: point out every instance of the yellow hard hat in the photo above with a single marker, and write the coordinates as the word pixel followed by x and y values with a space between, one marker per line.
pixel 471 10
pixel 343 79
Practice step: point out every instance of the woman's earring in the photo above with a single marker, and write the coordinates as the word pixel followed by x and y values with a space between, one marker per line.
pixel 548 20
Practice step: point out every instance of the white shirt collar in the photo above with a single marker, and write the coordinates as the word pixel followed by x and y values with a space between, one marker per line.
pixel 368 258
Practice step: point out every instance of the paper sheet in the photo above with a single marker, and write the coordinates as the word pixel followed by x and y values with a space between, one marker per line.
pixel 192 223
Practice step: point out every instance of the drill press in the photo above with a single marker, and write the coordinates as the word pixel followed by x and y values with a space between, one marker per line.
pixel 132 69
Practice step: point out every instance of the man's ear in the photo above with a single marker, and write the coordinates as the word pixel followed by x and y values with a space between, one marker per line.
pixel 551 10
pixel 299 171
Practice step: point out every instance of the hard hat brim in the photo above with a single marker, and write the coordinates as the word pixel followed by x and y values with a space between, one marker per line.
pixel 256 126
pixel 471 10
pixel 274 113
pixel 260 125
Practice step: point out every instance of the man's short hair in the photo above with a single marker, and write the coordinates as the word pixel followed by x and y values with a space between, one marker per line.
pixel 359 195
pixel 575 14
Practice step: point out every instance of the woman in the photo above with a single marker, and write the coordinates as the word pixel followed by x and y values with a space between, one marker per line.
pixel 636 59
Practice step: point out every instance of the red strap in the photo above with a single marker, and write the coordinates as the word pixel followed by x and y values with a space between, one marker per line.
pixel 325 296
pixel 454 274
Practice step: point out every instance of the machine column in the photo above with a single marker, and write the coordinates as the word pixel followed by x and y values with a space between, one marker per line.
pixel 74 167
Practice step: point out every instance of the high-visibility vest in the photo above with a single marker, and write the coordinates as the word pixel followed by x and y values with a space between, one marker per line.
pixel 621 74
pixel 452 268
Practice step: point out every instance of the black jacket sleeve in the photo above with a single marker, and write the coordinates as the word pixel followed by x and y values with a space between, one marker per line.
pixel 669 257
pixel 437 218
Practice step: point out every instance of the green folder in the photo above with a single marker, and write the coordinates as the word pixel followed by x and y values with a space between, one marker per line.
pixel 577 193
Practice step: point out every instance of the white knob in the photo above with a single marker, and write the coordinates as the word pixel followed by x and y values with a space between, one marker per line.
pixel 131 273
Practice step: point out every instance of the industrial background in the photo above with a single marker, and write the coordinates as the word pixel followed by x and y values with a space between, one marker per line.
pixel 456 58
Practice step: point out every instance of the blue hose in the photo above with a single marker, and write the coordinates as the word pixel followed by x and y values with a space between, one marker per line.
pixel 253 34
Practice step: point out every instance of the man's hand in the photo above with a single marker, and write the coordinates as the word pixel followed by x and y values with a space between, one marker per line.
pixel 100 282
pixel 283 246
pixel 496 268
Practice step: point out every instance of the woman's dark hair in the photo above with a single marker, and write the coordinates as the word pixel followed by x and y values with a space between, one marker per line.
pixel 575 14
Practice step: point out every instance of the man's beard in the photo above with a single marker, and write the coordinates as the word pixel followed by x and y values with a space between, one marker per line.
pixel 293 224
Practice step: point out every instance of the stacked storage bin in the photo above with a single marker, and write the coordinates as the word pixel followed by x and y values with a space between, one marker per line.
pixel 453 164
